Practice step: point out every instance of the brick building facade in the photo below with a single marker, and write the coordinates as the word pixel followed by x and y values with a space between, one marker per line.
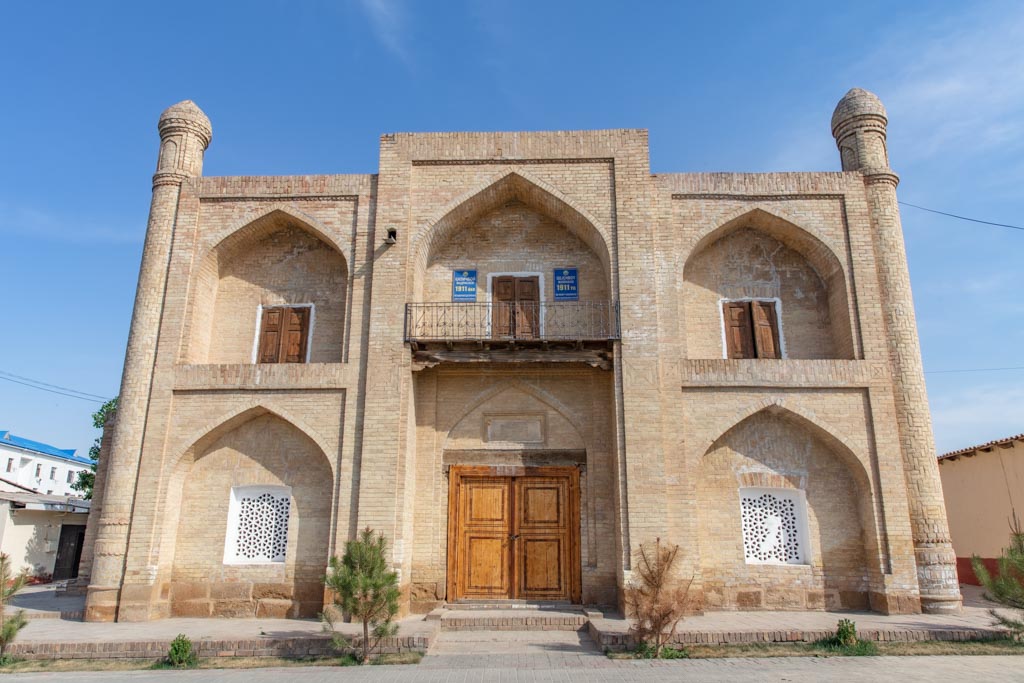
pixel 519 356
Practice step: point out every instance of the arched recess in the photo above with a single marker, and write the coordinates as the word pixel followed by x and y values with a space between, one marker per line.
pixel 539 197
pixel 761 255
pixel 281 258
pixel 771 446
pixel 253 446
pixel 519 401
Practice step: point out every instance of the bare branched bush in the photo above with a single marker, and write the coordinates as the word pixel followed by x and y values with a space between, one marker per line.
pixel 657 600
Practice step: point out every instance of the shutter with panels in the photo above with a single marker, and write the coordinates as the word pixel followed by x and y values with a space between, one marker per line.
pixel 504 299
pixel 739 338
pixel 527 302
pixel 296 335
pixel 270 335
pixel 766 329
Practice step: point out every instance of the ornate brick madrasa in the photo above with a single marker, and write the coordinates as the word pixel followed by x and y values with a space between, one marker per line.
pixel 727 361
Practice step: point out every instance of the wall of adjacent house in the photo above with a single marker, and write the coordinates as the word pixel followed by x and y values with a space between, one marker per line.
pixel 982 494
pixel 30 537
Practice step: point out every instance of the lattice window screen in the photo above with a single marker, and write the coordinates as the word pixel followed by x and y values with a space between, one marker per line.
pixel 258 524
pixel 774 526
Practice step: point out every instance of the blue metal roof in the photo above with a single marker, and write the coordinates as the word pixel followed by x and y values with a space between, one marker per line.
pixel 46 449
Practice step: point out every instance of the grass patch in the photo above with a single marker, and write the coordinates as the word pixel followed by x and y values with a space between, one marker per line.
pixel 67 665
pixel 858 648
pixel 951 648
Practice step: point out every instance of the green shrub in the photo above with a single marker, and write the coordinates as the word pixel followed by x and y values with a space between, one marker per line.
pixel 846 632
pixel 182 655
pixel 10 584
pixel 845 641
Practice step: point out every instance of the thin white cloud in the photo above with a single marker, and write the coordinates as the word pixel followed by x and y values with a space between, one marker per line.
pixel 953 88
pixel 27 221
pixel 389 21
pixel 957 85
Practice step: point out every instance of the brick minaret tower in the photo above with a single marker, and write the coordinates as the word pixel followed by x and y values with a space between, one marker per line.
pixel 185 133
pixel 859 126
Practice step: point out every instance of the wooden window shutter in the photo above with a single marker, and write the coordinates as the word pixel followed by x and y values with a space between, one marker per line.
pixel 504 298
pixel 527 301
pixel 270 335
pixel 739 338
pixel 766 329
pixel 296 335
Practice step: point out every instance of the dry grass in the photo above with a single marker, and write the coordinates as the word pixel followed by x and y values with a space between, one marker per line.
pixel 978 647
pixel 62 665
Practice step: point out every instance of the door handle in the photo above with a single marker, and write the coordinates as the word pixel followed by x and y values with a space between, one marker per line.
pixel 513 537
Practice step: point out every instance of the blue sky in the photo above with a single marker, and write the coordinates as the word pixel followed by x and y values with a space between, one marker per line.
pixel 308 87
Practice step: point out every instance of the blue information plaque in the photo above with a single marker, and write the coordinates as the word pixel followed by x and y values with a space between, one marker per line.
pixel 567 287
pixel 463 285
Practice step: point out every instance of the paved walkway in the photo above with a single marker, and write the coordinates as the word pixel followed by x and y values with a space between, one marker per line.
pixel 844 669
pixel 975 615
pixel 457 650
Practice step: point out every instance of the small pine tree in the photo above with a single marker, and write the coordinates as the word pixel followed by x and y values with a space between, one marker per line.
pixel 1007 585
pixel 365 588
pixel 658 600
pixel 9 586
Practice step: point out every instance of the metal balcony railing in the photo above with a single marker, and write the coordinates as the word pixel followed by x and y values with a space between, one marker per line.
pixel 519 321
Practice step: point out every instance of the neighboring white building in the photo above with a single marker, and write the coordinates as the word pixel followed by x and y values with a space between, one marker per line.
pixel 40 467
pixel 43 535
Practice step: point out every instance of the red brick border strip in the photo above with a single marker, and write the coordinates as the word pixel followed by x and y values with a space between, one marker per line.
pixel 309 646
pixel 623 641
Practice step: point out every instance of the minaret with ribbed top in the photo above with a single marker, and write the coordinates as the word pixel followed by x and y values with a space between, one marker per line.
pixel 859 127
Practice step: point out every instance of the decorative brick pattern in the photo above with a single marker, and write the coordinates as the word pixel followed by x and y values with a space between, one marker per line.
pixel 664 440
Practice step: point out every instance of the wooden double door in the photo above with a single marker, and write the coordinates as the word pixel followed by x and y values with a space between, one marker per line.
pixel 516 307
pixel 513 533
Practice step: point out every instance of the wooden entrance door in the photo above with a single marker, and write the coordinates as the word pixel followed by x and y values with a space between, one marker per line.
pixel 69 551
pixel 516 304
pixel 513 533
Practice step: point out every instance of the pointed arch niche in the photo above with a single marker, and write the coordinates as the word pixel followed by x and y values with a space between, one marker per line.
pixel 278 259
pixel 759 255
pixel 254 448
pixel 775 449
pixel 512 224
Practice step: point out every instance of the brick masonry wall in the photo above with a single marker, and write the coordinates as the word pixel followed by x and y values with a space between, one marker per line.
pixel 766 450
pixel 648 429
pixel 746 264
pixel 266 451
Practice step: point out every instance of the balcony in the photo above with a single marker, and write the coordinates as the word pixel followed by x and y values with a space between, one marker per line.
pixel 562 331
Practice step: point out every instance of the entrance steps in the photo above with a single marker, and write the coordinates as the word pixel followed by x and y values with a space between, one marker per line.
pixel 513 617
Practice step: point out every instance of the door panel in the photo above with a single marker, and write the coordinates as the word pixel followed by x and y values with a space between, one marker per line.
pixel 544 533
pixel 527 300
pixel 504 297
pixel 484 519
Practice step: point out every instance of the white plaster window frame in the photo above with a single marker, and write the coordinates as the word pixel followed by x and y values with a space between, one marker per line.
pixel 259 324
pixel 540 285
pixel 778 317
pixel 234 510
pixel 802 526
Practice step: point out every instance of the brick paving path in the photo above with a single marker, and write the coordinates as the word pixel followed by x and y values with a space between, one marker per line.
pixel 840 669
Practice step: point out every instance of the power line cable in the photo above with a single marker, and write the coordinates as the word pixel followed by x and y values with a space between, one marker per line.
pixel 52 386
pixel 963 218
pixel 52 391
pixel 941 372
